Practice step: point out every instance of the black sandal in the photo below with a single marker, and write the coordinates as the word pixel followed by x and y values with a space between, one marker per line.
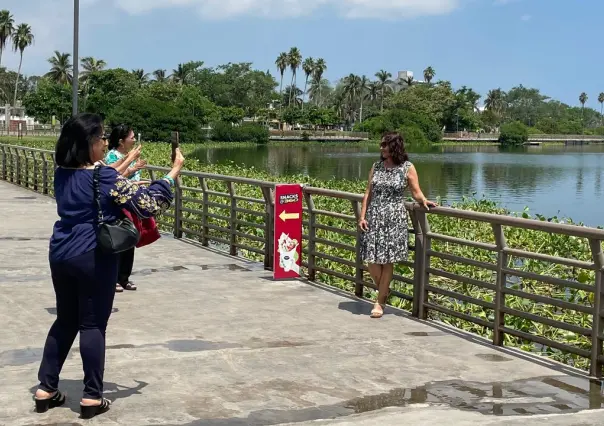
pixel 43 405
pixel 89 411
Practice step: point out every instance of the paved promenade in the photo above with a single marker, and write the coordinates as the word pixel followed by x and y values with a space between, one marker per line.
pixel 211 340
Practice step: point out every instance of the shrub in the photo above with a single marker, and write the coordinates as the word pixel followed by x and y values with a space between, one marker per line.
pixel 413 135
pixel 247 132
pixel 513 134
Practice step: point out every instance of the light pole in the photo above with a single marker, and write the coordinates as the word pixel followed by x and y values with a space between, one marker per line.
pixel 76 42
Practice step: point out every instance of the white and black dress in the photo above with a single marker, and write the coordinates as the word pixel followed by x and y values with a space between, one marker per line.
pixel 386 216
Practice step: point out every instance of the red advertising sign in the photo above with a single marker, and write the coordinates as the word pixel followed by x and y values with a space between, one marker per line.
pixel 288 231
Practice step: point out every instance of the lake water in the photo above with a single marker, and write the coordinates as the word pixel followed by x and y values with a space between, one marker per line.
pixel 553 180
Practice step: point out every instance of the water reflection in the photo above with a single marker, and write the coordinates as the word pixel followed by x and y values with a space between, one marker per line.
pixel 550 179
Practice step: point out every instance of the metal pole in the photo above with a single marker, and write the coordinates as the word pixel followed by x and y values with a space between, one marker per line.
pixel 76 41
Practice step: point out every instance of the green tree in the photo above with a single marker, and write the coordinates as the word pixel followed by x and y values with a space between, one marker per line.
pixel 309 67
pixel 160 75
pixel 61 68
pixel 90 65
pixel 294 59
pixel 601 100
pixel 48 99
pixel 108 88
pixel 429 74
pixel 141 76
pixel 320 68
pixel 22 39
pixel 7 28
pixel 513 134
pixel 583 99
pixel 385 84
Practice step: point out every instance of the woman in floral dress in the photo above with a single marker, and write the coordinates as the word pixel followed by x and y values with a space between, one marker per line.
pixel 384 240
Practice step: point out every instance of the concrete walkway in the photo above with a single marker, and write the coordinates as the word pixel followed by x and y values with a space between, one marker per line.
pixel 212 340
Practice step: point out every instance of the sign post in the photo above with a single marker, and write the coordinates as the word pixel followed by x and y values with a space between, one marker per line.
pixel 288 231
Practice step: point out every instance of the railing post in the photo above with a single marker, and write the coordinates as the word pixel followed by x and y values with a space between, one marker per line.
pixel 423 276
pixel 233 225
pixel 358 260
pixel 204 211
pixel 3 163
pixel 312 235
pixel 595 368
pixel 35 159
pixel 418 267
pixel 270 223
pixel 501 279
pixel 178 208
pixel 18 166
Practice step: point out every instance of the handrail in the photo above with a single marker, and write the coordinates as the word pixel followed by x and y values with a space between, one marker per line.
pixel 486 292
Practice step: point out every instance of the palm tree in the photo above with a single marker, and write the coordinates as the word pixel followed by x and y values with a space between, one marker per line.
pixel 160 75
pixel 583 99
pixel 601 100
pixel 60 70
pixel 91 65
pixel 281 64
pixel 7 28
pixel 294 59
pixel 429 74
pixel 22 39
pixel 320 68
pixel 373 92
pixel 308 66
pixel 141 76
pixel 495 101
pixel 363 82
pixel 182 74
pixel 384 82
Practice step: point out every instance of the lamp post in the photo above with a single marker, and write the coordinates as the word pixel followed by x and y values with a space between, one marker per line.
pixel 76 41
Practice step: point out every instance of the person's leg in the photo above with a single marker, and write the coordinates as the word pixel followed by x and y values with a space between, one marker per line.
pixel 62 332
pixel 376 271
pixel 387 272
pixel 98 274
pixel 126 263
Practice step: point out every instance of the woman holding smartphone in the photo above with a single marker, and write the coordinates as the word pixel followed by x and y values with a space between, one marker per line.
pixel 121 145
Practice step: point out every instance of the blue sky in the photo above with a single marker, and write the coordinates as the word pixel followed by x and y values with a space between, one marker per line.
pixel 554 45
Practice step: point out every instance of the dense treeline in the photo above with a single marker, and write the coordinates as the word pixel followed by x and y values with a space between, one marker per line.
pixel 192 98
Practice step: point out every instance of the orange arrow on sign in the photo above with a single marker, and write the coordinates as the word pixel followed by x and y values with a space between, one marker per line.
pixel 286 216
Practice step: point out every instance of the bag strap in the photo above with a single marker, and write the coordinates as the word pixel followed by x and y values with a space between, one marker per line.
pixel 97 193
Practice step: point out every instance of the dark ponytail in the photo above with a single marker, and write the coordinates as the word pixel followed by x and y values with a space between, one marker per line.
pixel 118 133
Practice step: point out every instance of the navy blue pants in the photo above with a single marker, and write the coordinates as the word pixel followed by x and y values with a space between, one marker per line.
pixel 84 288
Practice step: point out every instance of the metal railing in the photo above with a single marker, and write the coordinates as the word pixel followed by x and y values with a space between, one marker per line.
pixel 236 214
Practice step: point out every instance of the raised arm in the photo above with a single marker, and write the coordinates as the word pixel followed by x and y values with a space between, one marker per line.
pixel 141 200
pixel 416 191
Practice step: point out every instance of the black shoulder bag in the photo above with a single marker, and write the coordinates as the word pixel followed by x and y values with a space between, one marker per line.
pixel 117 236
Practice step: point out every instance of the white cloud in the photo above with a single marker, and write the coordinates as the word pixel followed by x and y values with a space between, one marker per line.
pixel 221 9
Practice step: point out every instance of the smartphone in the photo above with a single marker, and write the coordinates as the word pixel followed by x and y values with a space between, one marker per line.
pixel 175 145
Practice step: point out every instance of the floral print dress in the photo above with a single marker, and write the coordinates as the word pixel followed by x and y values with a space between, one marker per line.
pixel 387 237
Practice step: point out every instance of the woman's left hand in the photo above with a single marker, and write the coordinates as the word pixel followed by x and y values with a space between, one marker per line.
pixel 427 204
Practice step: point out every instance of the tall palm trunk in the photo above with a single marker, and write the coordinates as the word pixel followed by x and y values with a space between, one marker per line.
pixel 17 82
pixel 382 106
pixel 291 88
pixel 305 88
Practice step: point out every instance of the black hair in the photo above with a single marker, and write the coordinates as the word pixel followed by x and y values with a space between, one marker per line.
pixel 118 133
pixel 396 146
pixel 78 134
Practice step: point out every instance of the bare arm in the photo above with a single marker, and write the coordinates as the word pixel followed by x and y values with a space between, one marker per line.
pixel 416 191
pixel 366 201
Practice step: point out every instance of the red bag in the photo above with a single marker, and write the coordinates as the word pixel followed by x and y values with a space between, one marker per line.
pixel 146 227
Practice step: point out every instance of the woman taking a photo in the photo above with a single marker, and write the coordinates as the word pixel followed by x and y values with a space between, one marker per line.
pixel 83 274
pixel 121 143
pixel 384 217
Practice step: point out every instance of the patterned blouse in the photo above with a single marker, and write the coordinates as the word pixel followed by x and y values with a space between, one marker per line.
pixel 114 155
pixel 75 231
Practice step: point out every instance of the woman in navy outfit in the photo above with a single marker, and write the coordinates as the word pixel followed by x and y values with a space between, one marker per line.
pixel 83 277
